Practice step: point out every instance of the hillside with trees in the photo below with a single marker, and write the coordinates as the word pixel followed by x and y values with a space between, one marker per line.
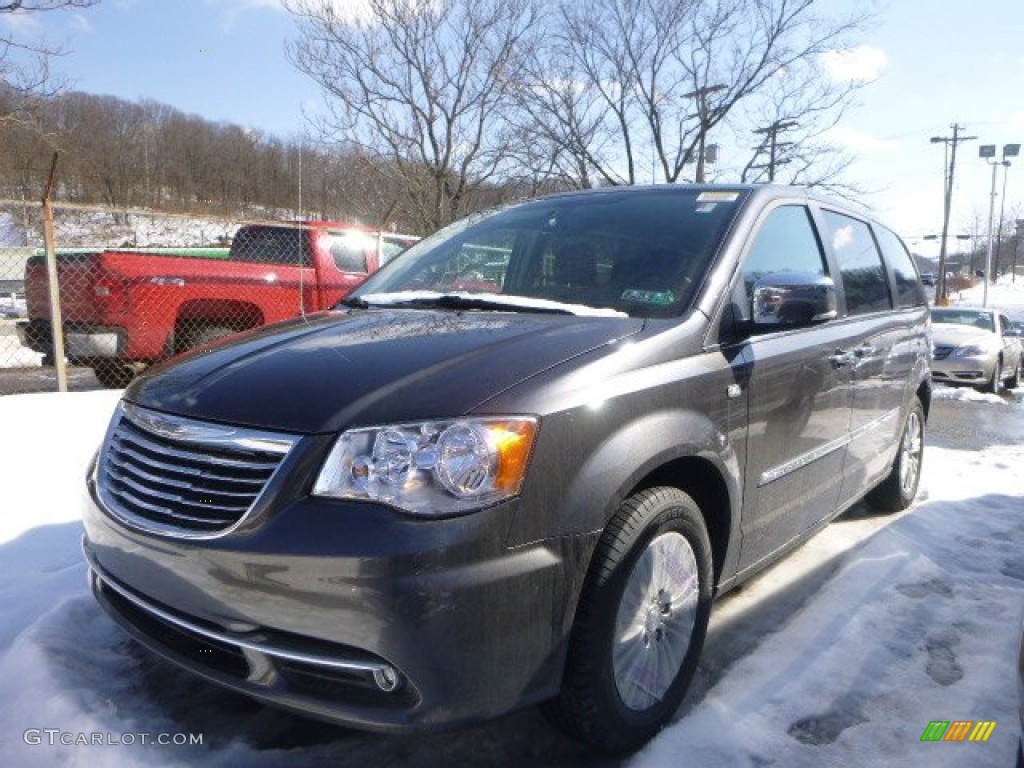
pixel 125 154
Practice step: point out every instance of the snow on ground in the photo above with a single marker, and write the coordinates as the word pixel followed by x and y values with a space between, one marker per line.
pixel 12 353
pixel 1006 293
pixel 965 394
pixel 918 623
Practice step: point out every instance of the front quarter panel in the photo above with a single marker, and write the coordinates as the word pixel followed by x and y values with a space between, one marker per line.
pixel 606 426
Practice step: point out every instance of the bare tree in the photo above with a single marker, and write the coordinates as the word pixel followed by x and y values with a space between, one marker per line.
pixel 789 119
pixel 641 84
pixel 425 84
pixel 25 74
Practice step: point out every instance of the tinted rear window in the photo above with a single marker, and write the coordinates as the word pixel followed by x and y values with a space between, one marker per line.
pixel 271 245
pixel 909 291
pixel 864 280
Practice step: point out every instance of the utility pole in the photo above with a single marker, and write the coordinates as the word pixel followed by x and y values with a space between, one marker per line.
pixel 701 94
pixel 951 143
pixel 771 138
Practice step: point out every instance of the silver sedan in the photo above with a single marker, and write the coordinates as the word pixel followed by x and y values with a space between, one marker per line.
pixel 975 346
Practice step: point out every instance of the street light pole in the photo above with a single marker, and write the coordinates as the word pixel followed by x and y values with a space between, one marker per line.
pixel 1009 150
pixel 988 152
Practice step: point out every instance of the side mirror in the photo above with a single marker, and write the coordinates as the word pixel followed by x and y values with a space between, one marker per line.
pixel 784 299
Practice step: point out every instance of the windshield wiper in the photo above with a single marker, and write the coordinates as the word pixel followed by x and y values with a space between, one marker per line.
pixel 455 301
pixel 354 302
pixel 499 302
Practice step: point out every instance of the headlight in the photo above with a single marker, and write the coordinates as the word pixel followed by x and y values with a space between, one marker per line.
pixel 970 351
pixel 430 468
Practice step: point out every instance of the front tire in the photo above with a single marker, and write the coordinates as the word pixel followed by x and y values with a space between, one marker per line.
pixel 640 624
pixel 899 488
pixel 995 384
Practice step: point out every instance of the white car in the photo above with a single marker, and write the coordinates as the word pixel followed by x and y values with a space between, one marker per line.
pixel 975 346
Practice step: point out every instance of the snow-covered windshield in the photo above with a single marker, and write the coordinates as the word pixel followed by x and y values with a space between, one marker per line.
pixel 642 252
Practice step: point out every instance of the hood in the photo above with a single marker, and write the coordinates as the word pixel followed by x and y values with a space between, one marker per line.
pixel 365 367
pixel 950 335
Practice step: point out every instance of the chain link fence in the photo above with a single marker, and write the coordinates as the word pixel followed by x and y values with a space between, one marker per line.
pixel 20 235
pixel 137 287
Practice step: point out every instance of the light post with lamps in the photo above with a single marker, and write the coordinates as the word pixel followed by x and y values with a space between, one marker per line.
pixel 988 152
pixel 1009 150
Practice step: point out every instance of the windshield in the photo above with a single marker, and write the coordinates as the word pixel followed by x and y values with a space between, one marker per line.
pixel 970 317
pixel 642 252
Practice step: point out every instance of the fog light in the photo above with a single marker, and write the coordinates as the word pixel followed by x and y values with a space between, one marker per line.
pixel 387 678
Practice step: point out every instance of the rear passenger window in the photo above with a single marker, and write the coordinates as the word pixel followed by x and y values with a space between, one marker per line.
pixel 349 252
pixel 864 281
pixel 909 291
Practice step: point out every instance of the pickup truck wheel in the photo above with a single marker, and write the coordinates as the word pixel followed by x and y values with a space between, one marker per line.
pixel 113 375
pixel 207 334
pixel 640 623
pixel 899 488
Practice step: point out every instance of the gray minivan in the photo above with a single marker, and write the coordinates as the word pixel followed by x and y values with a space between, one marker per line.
pixel 517 463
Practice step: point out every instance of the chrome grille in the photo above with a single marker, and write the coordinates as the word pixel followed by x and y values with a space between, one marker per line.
pixel 183 477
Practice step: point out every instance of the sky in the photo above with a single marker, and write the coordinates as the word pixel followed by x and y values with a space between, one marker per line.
pixel 840 655
pixel 932 63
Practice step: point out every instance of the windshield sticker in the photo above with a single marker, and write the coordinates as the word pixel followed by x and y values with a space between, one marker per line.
pixel 648 297
pixel 718 197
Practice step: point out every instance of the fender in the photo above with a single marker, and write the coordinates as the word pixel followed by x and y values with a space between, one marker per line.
pixel 638 448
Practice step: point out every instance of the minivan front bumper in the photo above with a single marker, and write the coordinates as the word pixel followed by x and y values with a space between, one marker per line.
pixel 374 621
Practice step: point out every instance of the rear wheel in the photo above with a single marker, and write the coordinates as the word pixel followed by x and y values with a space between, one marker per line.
pixel 1014 381
pixel 640 623
pixel 899 488
pixel 207 334
pixel 113 374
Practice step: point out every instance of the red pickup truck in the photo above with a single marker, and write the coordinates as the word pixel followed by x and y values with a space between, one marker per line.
pixel 123 310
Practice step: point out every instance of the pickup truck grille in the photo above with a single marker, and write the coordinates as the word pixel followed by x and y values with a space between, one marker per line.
pixel 182 477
